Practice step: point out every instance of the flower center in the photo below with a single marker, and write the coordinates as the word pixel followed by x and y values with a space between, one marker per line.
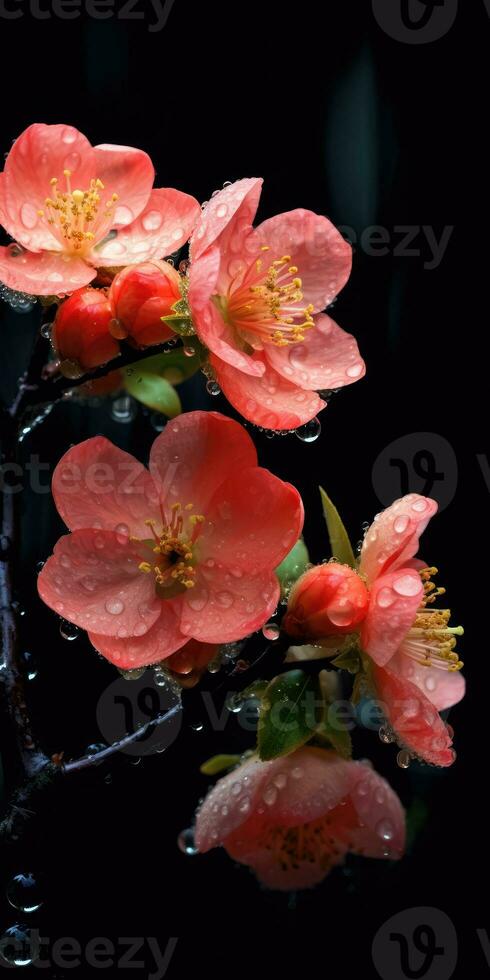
pixel 73 213
pixel 266 306
pixel 431 641
pixel 170 556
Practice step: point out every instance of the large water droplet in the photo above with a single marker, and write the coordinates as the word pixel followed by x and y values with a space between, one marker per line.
pixel 24 892
pixel 385 829
pixel 186 843
pixel 124 409
pixel 114 606
pixel 403 759
pixel 213 388
pixel 310 431
pixel 271 631
pixel 69 631
pixel 407 585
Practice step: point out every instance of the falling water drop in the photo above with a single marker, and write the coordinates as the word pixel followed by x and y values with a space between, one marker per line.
pixel 46 330
pixel 24 893
pixel 234 702
pixel 310 431
pixel 20 945
pixel 213 388
pixel 271 631
pixel 403 759
pixel 124 409
pixel 69 631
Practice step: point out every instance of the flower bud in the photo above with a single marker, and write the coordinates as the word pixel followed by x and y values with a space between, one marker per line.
pixel 140 295
pixel 328 600
pixel 81 330
pixel 189 663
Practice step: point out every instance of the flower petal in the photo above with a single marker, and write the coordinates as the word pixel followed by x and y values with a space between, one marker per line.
pixel 93 580
pixel 443 688
pixel 253 518
pixel 222 608
pixel 328 358
pixel 380 828
pixel 394 601
pixel 393 538
pixel 43 273
pixel 163 226
pixel 195 454
pixel 323 257
pixel 160 642
pixel 413 718
pixel 127 172
pixel 228 216
pixel 97 485
pixel 40 153
pixel 269 401
pixel 209 324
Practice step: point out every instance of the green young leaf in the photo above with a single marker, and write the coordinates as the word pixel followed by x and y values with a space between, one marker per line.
pixel 339 539
pixel 218 763
pixel 348 660
pixel 293 565
pixel 179 324
pixel 175 366
pixel 332 730
pixel 290 712
pixel 154 392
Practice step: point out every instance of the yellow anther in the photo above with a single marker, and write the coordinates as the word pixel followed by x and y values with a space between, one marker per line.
pixel 188 506
pixel 53 181
pixel 67 173
pixel 41 213
pixel 144 566
pixel 78 196
pixel 265 248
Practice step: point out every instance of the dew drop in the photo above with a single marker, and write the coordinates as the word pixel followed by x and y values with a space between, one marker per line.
pixel 186 842
pixel 20 945
pixel 114 606
pixel 271 631
pixel 385 829
pixel 403 759
pixel 213 388
pixel 69 631
pixel 310 431
pixel 401 523
pixel 385 598
pixel 270 795
pixel 24 893
pixel 407 585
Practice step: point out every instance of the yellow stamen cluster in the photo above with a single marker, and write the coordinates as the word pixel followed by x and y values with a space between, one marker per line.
pixel 172 548
pixel 312 843
pixel 268 306
pixel 431 641
pixel 72 212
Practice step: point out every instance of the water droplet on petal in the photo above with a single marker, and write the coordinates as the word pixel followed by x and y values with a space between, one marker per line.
pixel 186 843
pixel 407 585
pixel 68 630
pixel 114 606
pixel 385 829
pixel 310 431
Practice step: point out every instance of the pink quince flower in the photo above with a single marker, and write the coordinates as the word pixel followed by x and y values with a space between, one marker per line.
pixel 293 819
pixel 414 666
pixel 185 551
pixel 72 207
pixel 255 296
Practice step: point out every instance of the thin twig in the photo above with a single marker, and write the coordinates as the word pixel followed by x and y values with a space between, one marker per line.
pixel 86 761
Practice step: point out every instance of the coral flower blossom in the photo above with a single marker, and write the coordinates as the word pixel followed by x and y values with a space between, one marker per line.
pixel 185 551
pixel 415 668
pixel 293 819
pixel 71 207
pixel 389 601
pixel 254 296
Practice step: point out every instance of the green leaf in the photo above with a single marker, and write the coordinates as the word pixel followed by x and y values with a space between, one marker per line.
pixel 289 714
pixel 154 392
pixel 293 565
pixel 332 730
pixel 180 324
pixel 255 690
pixel 339 539
pixel 348 660
pixel 175 366
pixel 218 763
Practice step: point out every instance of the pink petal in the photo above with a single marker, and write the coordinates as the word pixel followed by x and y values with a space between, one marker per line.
pixel 195 454
pixel 3 213
pixel 209 324
pixel 323 257
pixel 254 520
pixel 443 688
pixel 393 538
pixel 394 602
pixel 93 580
pixel 97 485
pixel 43 273
pixel 269 401
pixel 328 358
pixel 298 874
pixel 163 226
pixel 380 830
pixel 228 216
pixel 413 718
pixel 222 607
pixel 40 153
pixel 161 640
pixel 127 172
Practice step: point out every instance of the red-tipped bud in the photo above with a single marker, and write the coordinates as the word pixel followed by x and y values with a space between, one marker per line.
pixel 328 600
pixel 81 331
pixel 140 295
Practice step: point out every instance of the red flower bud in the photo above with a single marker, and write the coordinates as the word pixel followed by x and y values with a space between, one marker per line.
pixel 140 295
pixel 328 600
pixel 81 331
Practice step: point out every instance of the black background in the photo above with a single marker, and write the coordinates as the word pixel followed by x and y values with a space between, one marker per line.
pixel 339 118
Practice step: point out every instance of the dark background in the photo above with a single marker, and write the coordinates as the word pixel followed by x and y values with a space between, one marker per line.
pixel 340 118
